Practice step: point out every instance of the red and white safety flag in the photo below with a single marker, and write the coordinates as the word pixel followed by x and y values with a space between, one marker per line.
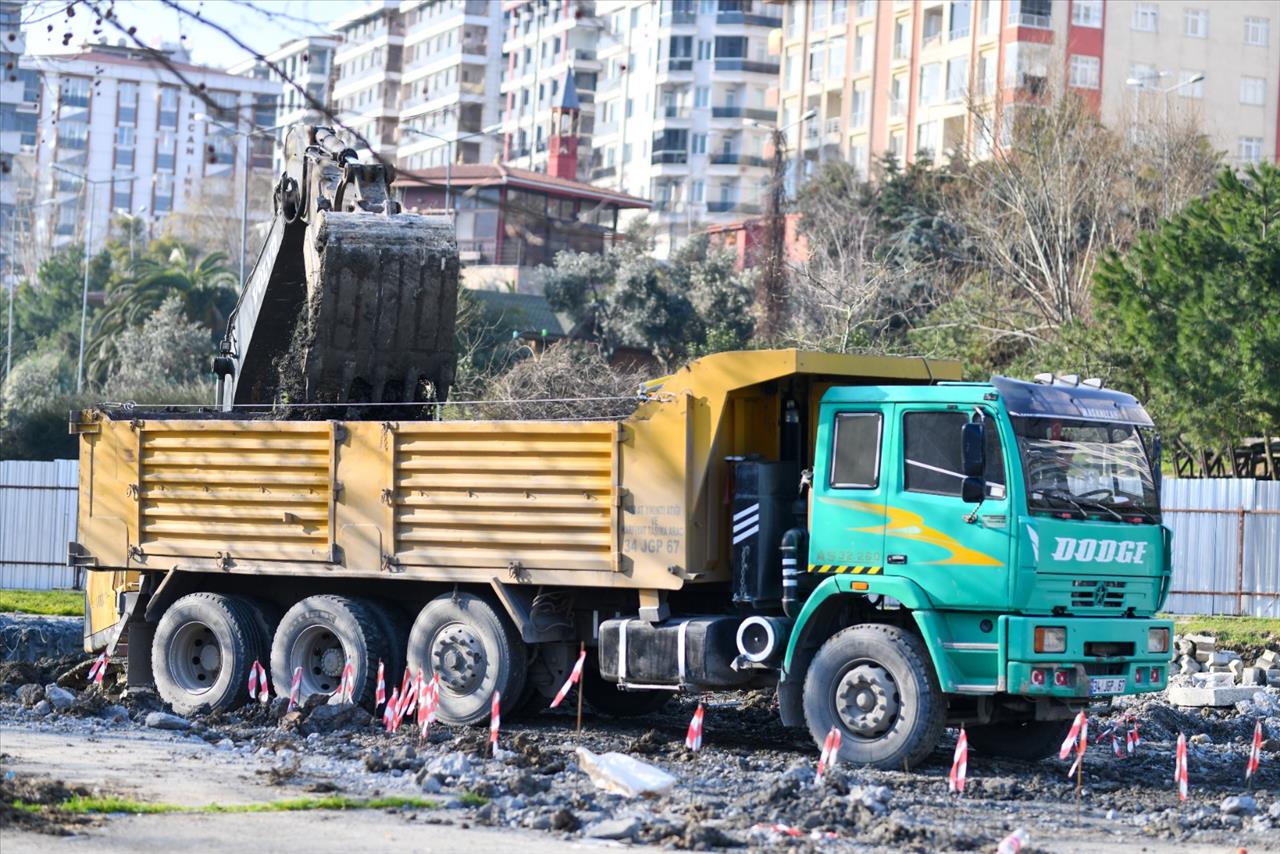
pixel 428 696
pixel 1180 767
pixel 693 738
pixel 1132 739
pixel 1013 843
pixel 294 687
pixel 784 829
pixel 347 685
pixel 1078 738
pixel 1255 752
pixel 830 753
pixel 406 704
pixel 258 689
pixel 495 720
pixel 404 689
pixel 380 693
pixel 1115 746
pixel 99 670
pixel 959 764
pixel 575 676
pixel 389 713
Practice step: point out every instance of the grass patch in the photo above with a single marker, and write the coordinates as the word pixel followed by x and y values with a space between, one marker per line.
pixel 471 799
pixel 54 603
pixel 83 805
pixel 114 805
pixel 1233 632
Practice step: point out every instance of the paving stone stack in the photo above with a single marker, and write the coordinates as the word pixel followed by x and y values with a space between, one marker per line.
pixel 1204 675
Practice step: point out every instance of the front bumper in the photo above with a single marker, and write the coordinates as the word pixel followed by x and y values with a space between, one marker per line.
pixel 1067 674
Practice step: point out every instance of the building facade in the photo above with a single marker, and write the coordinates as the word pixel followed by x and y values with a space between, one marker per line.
pixel 118 131
pixel 683 110
pixel 19 91
pixel 367 70
pixel 305 75
pixel 912 77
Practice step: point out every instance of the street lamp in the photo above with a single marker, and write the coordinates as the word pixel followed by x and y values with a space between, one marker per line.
pixel 450 142
pixel 132 217
pixel 1144 84
pixel 780 136
pixel 244 190
pixel 88 240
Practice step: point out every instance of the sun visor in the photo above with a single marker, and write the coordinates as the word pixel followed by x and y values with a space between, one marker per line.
pixel 1037 400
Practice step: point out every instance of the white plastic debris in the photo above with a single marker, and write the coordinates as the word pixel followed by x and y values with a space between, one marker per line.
pixel 624 775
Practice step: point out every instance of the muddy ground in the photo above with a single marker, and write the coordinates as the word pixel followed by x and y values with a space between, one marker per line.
pixel 750 772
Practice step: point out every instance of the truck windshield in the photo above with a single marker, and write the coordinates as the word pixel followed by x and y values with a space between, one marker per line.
pixel 1086 469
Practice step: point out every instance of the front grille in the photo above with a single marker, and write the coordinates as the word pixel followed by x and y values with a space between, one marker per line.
pixel 1097 594
pixel 1110 668
pixel 1108 649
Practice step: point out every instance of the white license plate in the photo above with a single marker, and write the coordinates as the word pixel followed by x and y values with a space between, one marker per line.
pixel 1106 685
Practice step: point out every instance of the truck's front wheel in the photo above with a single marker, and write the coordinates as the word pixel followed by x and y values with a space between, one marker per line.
pixel 202 651
pixel 1030 740
pixel 876 683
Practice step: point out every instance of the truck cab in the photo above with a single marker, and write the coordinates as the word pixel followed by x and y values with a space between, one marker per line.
pixel 1009 532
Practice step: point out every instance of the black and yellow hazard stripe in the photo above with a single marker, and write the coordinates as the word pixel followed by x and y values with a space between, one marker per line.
pixel 837 569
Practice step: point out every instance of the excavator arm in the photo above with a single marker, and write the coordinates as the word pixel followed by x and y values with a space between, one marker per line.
pixel 350 301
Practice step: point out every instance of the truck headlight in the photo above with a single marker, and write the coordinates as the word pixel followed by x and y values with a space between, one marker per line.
pixel 1051 639
pixel 1158 640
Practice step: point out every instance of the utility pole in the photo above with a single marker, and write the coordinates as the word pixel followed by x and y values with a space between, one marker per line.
pixel 772 285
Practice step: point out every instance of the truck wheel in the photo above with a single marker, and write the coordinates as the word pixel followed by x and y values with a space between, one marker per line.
pixel 1030 740
pixel 474 649
pixel 395 630
pixel 321 634
pixel 202 651
pixel 877 684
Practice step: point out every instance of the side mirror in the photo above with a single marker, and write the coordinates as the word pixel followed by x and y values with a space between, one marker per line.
pixel 973 490
pixel 973 450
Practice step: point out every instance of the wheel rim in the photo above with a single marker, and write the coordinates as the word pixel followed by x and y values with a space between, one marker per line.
pixel 320 654
pixel 195 658
pixel 457 655
pixel 867 700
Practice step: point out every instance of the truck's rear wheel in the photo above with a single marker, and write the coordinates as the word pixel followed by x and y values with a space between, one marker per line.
pixel 394 624
pixel 475 650
pixel 1030 740
pixel 877 684
pixel 202 651
pixel 321 634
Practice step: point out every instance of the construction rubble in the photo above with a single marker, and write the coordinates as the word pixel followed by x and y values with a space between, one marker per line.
pixel 1204 675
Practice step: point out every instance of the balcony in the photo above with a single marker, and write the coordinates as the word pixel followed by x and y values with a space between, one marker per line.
pixel 733 207
pixel 961 32
pixel 680 16
pixel 735 159
pixel 674 111
pixel 683 63
pixel 583 53
pixel 749 65
pixel 743 113
pixel 751 20
pixel 659 157
pixel 603 172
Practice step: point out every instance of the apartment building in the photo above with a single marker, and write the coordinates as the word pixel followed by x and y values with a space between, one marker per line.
pixel 19 89
pixel 367 71
pixel 543 42
pixel 146 144
pixel 906 76
pixel 682 109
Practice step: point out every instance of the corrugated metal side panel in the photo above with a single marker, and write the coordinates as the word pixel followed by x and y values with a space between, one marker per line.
pixel 251 490
pixel 488 495
pixel 37 522
pixel 1207 545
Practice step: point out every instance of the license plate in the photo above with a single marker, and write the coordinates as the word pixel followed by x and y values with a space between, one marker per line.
pixel 1106 685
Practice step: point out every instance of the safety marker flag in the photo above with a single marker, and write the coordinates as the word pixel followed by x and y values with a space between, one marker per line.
pixel 295 687
pixel 347 685
pixel 380 693
pixel 575 676
pixel 1115 746
pixel 693 738
pixel 1013 843
pixel 389 713
pixel 830 753
pixel 1255 752
pixel 495 720
pixel 959 764
pixel 430 700
pixel 99 669
pixel 1180 767
pixel 404 688
pixel 1132 739
pixel 1078 738
pixel 406 704
pixel 258 682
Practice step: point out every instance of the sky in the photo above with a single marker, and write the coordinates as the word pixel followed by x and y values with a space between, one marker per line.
pixel 264 25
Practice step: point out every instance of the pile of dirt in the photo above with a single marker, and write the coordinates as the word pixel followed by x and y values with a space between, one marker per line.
pixel 32 803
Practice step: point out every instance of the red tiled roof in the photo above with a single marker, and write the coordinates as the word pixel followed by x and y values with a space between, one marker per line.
pixel 494 175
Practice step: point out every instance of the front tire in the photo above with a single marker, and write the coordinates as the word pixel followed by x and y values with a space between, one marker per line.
pixel 475 650
pixel 1029 740
pixel 202 651
pixel 877 684
pixel 321 634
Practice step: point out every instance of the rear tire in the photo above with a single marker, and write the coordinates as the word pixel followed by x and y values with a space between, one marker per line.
pixel 395 625
pixel 321 634
pixel 202 651
pixel 1029 740
pixel 877 684
pixel 475 650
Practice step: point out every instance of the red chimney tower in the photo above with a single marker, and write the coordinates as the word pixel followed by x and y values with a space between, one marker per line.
pixel 562 145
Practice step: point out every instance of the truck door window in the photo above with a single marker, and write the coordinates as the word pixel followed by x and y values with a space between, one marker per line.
pixel 855 457
pixel 931 458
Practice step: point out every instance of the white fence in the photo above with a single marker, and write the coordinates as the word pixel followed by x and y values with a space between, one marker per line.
pixel 37 519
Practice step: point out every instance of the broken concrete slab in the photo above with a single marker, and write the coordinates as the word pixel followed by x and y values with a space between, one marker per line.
pixel 1253 676
pixel 1222 657
pixel 1216 695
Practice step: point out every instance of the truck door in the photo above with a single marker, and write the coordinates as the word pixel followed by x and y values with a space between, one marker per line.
pixel 847 515
pixel 928 535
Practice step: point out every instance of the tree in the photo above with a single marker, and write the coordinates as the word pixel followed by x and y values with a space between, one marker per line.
pixel 568 380
pixel 1192 312
pixel 167 349
pixel 49 310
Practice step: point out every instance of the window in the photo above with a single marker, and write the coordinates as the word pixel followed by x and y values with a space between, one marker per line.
pixel 1086 13
pixel 1257 31
pixel 961 11
pixel 701 96
pixel 1145 73
pixel 790 77
pixel 957 78
pixel 930 83
pixel 927 139
pixel 697 189
pixel 1253 90
pixel 985 17
pixel 699 143
pixel 75 91
pixel 839 11
pixel 835 60
pixel 931 458
pixel 1249 149
pixel 986 73
pixel 815 63
pixel 858 112
pixel 704 48
pixel 901 39
pixel 818 15
pixel 1146 17
pixel 1187 88
pixel 1031 13
pixel 1085 72
pixel 862 50
pixel 1195 23
pixel 855 452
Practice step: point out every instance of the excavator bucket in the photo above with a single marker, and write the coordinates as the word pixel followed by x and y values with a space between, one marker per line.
pixel 351 301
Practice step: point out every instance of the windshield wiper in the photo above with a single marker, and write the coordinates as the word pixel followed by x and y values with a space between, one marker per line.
pixel 1078 503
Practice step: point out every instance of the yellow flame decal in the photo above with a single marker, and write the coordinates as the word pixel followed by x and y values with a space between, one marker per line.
pixel 906 525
